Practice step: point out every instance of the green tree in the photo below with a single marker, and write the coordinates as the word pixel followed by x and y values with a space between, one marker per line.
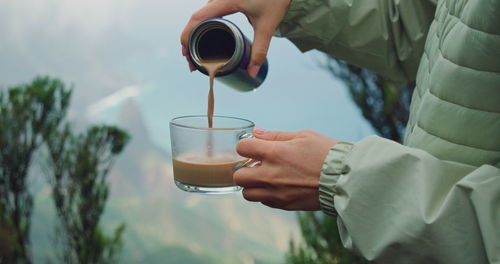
pixel 27 114
pixel 79 165
pixel 320 242
pixel 385 105
pixel 30 123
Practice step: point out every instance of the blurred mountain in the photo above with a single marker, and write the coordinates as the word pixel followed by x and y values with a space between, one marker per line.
pixel 162 219
pixel 142 165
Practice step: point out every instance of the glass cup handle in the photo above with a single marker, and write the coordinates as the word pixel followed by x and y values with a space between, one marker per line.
pixel 249 162
pixel 244 135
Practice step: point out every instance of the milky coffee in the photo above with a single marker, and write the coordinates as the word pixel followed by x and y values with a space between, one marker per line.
pixel 198 169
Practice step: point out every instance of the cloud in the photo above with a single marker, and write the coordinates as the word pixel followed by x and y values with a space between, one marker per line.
pixel 112 100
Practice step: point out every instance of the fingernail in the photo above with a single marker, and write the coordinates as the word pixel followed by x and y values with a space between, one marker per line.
pixel 259 131
pixel 253 70
pixel 184 51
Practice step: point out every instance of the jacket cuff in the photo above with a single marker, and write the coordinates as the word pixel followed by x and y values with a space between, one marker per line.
pixel 333 167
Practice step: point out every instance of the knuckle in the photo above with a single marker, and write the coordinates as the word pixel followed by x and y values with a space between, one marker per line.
pixel 247 195
pixel 282 198
pixel 196 16
pixel 272 177
pixel 307 132
pixel 235 6
pixel 244 177
pixel 240 4
pixel 259 55
pixel 268 152
pixel 284 201
pixel 277 151
pixel 237 177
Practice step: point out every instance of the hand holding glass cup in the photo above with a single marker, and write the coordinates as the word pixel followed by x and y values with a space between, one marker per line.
pixel 204 159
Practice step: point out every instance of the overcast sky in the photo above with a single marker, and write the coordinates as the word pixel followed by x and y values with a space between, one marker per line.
pixel 114 50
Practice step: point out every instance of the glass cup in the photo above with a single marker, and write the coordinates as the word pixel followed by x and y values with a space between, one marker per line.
pixel 203 158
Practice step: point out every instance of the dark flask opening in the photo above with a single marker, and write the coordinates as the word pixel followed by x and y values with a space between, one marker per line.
pixel 216 44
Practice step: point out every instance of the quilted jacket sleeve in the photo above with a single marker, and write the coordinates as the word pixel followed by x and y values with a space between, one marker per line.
pixel 397 204
pixel 386 36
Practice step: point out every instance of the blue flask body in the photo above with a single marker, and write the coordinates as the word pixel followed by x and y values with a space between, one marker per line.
pixel 219 38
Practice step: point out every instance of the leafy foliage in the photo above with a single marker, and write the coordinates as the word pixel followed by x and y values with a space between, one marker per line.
pixel 30 117
pixel 79 165
pixel 27 114
pixel 321 242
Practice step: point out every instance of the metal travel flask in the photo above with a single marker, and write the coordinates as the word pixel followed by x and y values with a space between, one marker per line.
pixel 219 38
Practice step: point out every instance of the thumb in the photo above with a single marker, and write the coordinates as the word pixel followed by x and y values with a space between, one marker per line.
pixel 262 38
pixel 274 135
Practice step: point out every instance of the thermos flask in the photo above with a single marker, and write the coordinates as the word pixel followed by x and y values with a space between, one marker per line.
pixel 219 38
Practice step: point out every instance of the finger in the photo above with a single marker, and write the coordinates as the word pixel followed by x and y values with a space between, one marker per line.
pixel 253 148
pixel 304 199
pixel 263 33
pixel 192 68
pixel 210 10
pixel 257 194
pixel 250 177
pixel 274 135
pixel 185 53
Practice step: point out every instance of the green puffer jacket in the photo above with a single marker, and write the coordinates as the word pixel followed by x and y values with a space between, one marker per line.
pixel 435 199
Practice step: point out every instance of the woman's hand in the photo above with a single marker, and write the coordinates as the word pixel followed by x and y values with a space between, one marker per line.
pixel 291 163
pixel 264 15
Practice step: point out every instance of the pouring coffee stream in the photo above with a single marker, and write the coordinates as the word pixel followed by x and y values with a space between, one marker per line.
pixel 212 67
